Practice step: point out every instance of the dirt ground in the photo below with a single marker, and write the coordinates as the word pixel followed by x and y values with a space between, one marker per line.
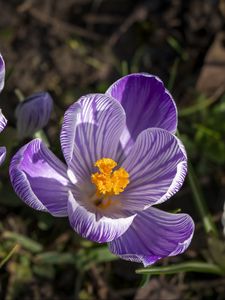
pixel 74 47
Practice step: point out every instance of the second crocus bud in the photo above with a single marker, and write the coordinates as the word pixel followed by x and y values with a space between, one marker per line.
pixel 3 121
pixel 2 73
pixel 33 114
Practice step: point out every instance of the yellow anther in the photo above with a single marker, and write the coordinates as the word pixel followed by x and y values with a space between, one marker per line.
pixel 120 180
pixel 107 181
pixel 105 165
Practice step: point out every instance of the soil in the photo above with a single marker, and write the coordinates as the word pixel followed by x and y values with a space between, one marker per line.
pixel 75 47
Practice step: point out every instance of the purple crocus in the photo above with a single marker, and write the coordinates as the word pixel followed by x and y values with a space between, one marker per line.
pixel 2 72
pixel 3 120
pixel 33 114
pixel 121 159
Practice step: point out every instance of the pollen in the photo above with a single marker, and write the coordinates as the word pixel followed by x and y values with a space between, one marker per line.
pixel 109 182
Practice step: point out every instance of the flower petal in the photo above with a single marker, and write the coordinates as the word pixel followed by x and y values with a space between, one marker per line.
pixel 154 234
pixel 146 103
pixel 99 229
pixel 2 154
pixel 2 73
pixel 3 121
pixel 33 114
pixel 39 178
pixel 91 130
pixel 157 165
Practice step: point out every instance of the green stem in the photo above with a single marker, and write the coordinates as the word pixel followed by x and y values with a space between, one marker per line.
pixel 19 95
pixel 200 203
pixel 41 135
pixel 173 74
pixel 124 68
pixel 14 249
pixel 194 266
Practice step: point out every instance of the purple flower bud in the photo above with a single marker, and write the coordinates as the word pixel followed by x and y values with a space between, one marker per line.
pixel 33 114
pixel 3 121
pixel 2 154
pixel 2 73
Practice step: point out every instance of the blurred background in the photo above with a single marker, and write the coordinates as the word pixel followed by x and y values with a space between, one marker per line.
pixel 74 47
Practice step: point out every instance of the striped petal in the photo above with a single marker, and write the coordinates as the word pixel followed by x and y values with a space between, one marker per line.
pixel 33 114
pixel 3 121
pixel 2 154
pixel 2 73
pixel 39 178
pixel 91 130
pixel 157 165
pixel 154 234
pixel 146 103
pixel 99 229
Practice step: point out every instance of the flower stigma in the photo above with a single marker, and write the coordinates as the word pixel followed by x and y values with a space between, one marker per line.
pixel 108 182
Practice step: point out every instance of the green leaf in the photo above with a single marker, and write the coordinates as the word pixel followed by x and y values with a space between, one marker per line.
pixel 217 251
pixel 9 255
pixel 25 242
pixel 54 257
pixel 85 258
pixel 44 272
pixel 194 266
pixel 144 280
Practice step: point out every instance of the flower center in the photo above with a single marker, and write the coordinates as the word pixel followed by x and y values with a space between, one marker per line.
pixel 108 182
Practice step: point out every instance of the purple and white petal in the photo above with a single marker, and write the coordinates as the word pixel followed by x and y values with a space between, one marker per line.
pixel 157 165
pixel 2 73
pixel 99 229
pixel 3 121
pixel 33 114
pixel 39 178
pixel 154 234
pixel 147 103
pixel 91 130
pixel 2 154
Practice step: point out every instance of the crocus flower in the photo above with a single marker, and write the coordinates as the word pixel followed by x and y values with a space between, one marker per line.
pixel 33 114
pixel 3 120
pixel 121 159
